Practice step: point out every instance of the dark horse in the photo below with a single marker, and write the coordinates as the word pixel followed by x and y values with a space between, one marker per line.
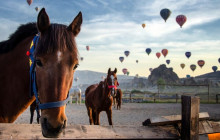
pixel 33 107
pixel 56 58
pixel 99 97
pixel 118 99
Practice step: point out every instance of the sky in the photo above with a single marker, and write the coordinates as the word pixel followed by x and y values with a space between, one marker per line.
pixel 111 27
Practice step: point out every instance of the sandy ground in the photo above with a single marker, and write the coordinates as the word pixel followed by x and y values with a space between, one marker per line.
pixel 130 113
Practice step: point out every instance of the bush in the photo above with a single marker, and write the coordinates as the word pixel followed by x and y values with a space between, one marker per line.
pixel 136 91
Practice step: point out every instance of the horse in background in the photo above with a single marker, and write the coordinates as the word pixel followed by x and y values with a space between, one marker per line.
pixel 55 60
pixel 76 94
pixel 118 99
pixel 99 97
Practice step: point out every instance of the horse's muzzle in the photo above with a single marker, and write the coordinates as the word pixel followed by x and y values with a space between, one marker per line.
pixel 49 132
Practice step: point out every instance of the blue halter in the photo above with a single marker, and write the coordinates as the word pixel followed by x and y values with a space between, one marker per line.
pixel 33 87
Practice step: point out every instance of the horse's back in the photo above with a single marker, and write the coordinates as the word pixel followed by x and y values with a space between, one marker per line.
pixel 90 89
pixel 77 90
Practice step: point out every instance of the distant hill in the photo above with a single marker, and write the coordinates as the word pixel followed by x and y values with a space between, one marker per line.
pixel 211 76
pixel 91 77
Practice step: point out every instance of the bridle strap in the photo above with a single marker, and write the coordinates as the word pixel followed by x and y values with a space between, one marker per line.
pixel 113 86
pixel 46 105
pixel 54 104
pixel 33 88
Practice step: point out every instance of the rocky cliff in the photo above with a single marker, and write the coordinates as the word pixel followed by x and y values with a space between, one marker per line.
pixel 164 73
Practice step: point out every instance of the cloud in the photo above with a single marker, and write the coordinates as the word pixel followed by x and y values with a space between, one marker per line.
pixel 111 27
pixel 7 27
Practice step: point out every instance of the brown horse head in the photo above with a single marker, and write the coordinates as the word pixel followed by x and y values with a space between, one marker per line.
pixel 112 81
pixel 56 58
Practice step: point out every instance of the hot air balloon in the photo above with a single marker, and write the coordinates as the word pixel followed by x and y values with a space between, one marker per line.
pixel 36 8
pixel 214 68
pixel 168 61
pixel 181 19
pixel 164 52
pixel 87 48
pixel 219 60
pixel 81 58
pixel 188 54
pixel 29 2
pixel 76 79
pixel 150 69
pixel 103 78
pixel 193 67
pixel 158 55
pixel 124 70
pixel 126 53
pixel 148 51
pixel 182 65
pixel 136 61
pixel 165 13
pixel 128 73
pixel 201 63
pixel 121 59
pixel 143 25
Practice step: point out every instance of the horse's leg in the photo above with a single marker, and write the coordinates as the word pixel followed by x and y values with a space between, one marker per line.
pixel 97 118
pixel 38 112
pixel 114 101
pixel 94 116
pixel 90 115
pixel 80 99
pixel 32 108
pixel 109 114
pixel 77 99
pixel 119 105
pixel 71 99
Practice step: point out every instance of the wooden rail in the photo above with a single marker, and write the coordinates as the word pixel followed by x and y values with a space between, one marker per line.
pixel 33 131
pixel 155 97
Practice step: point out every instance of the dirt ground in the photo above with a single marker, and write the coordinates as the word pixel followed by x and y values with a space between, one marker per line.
pixel 130 113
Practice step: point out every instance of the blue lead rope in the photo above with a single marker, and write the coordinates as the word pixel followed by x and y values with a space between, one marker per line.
pixel 33 88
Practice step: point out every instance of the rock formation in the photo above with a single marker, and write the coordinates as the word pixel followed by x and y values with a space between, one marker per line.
pixel 162 72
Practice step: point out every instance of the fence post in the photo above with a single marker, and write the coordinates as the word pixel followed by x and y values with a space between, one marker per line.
pixel 130 97
pixel 216 98
pixel 208 93
pixel 154 98
pixel 190 118
pixel 176 98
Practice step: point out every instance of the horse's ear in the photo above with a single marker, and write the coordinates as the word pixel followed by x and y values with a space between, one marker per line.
pixel 109 71
pixel 75 26
pixel 43 21
pixel 115 71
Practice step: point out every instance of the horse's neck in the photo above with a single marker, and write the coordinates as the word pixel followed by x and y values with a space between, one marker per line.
pixel 102 90
pixel 14 83
pixel 106 90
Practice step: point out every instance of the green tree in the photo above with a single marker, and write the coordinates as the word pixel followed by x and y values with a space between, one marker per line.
pixel 161 84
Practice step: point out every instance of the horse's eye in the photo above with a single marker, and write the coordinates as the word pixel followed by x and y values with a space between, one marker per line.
pixel 38 62
pixel 76 66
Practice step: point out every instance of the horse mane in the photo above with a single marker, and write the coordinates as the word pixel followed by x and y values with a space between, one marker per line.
pixel 20 34
pixel 57 37
pixel 53 40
